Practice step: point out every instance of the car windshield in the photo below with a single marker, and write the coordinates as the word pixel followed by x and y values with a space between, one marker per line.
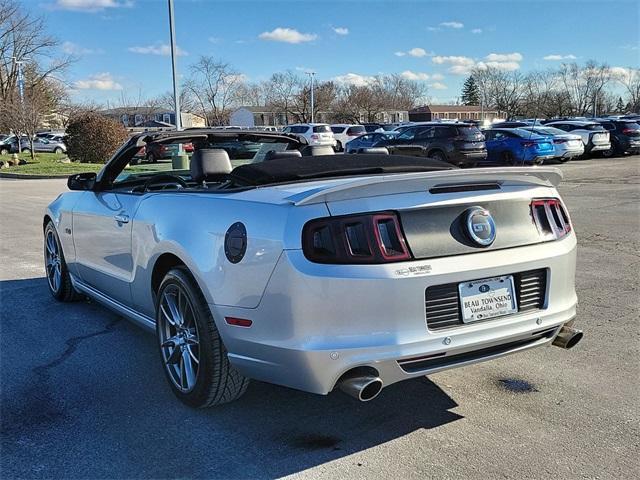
pixel 468 131
pixel 547 131
pixel 337 129
pixel 321 129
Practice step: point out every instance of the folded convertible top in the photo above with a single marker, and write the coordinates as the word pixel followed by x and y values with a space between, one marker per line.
pixel 324 166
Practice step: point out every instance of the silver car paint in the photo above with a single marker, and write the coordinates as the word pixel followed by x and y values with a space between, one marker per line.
pixel 305 314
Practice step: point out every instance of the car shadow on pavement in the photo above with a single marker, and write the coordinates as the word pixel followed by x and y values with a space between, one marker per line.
pixel 85 397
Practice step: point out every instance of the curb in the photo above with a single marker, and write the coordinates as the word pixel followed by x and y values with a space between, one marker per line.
pixel 26 176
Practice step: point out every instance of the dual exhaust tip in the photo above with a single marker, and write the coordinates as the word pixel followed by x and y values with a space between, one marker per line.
pixel 365 386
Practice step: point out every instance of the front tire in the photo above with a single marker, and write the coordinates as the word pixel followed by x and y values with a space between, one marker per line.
pixel 193 356
pixel 56 270
pixel 57 150
pixel 509 159
pixel 4 151
pixel 438 155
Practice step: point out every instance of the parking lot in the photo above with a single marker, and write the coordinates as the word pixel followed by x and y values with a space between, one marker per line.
pixel 83 394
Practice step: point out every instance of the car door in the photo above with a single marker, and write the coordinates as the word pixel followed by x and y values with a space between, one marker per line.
pixel 496 145
pixel 102 237
pixel 42 145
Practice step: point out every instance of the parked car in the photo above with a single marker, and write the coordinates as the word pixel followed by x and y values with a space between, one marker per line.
pixel 10 145
pixel 159 151
pixel 41 144
pixel 510 124
pixel 460 144
pixel 624 136
pixel 345 132
pixel 315 133
pixel 250 272
pixel 594 137
pixel 371 127
pixel 515 146
pixel 566 145
pixel 369 140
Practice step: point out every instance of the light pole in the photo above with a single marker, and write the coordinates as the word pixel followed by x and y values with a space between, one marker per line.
pixel 311 75
pixel 176 96
pixel 19 64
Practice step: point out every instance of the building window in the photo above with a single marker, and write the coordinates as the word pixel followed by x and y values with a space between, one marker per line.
pixel 137 119
pixel 166 117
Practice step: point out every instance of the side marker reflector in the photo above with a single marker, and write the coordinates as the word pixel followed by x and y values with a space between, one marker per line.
pixel 238 322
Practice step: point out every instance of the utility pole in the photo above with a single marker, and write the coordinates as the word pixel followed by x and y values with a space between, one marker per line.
pixel 176 96
pixel 311 75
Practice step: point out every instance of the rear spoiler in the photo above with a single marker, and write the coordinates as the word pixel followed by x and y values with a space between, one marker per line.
pixel 373 186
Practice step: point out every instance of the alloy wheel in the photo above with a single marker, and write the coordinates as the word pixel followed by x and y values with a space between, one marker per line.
pixel 179 339
pixel 53 261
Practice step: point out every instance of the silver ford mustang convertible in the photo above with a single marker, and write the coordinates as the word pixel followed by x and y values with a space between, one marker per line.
pixel 260 257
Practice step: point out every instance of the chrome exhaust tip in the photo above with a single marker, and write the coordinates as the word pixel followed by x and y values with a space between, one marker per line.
pixel 568 337
pixel 361 387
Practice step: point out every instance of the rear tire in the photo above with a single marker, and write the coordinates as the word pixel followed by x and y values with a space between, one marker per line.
pixel 57 150
pixel 438 155
pixel 509 159
pixel 151 158
pixel 4 151
pixel 57 273
pixel 338 147
pixel 194 359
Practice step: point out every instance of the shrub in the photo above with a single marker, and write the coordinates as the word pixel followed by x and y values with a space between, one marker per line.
pixel 93 138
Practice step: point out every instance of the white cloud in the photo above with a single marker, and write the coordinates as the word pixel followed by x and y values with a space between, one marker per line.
pixel 461 65
pixel 452 24
pixel 555 57
pixel 341 30
pixel 476 30
pixel 71 48
pixel 453 60
pixel 437 86
pixel 214 40
pixel 287 35
pixel 433 29
pixel 414 52
pixel 354 79
pixel 504 57
pixel 409 75
pixel 99 81
pixel 623 74
pixel 437 76
pixel 157 49
pixel 89 5
pixel 629 47
pixel 506 66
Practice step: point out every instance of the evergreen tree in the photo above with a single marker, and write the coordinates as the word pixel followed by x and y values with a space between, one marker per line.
pixel 470 92
pixel 620 106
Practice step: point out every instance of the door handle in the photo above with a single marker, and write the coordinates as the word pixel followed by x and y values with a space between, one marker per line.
pixel 121 218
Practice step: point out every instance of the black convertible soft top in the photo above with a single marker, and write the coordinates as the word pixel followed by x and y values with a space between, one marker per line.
pixel 322 166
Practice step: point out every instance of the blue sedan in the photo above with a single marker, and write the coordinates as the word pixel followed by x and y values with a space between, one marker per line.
pixel 369 140
pixel 515 146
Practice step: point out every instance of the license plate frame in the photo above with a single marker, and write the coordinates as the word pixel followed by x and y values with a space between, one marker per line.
pixel 487 298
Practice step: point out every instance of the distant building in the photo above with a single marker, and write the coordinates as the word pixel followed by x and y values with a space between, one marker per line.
pixel 135 118
pixel 428 113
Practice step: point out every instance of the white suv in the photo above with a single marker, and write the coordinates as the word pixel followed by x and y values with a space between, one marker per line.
pixel 344 132
pixel 315 133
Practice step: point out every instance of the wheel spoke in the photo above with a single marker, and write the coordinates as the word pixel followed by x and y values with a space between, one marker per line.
pixel 173 308
pixel 174 356
pixel 170 342
pixel 166 315
pixel 191 354
pixel 189 373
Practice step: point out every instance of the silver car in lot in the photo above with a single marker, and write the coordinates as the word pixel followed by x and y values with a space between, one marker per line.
pixel 348 272
pixel 44 144
pixel 566 145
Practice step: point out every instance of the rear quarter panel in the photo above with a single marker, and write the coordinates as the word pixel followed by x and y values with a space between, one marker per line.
pixel 193 227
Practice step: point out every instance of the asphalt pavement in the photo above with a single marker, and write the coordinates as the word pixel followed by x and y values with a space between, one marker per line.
pixel 83 395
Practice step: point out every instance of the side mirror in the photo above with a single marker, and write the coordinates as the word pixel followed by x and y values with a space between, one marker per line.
pixel 82 181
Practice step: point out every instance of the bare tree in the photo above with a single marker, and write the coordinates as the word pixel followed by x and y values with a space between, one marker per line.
pixel 629 78
pixel 214 86
pixel 23 37
pixel 280 92
pixel 583 85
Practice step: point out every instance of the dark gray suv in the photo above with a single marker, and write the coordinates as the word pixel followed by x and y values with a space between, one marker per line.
pixel 457 143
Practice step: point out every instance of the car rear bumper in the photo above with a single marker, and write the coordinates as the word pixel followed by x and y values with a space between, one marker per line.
pixel 316 322
pixel 599 147
pixel 467 157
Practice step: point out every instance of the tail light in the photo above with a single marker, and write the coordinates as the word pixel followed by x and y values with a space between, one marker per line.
pixel 355 239
pixel 629 131
pixel 315 137
pixel 559 140
pixel 188 147
pixel 528 144
pixel 551 218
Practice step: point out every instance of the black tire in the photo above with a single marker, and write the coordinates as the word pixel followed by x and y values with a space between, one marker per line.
pixel 438 155
pixel 62 290
pixel 57 150
pixel 338 147
pixel 216 380
pixel 26 150
pixel 564 159
pixel 508 158
pixel 610 153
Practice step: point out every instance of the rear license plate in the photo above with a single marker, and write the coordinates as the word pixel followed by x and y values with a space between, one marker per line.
pixel 488 298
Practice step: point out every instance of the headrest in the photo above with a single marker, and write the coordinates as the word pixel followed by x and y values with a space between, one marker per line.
pixel 274 155
pixel 208 162
pixel 313 150
pixel 378 150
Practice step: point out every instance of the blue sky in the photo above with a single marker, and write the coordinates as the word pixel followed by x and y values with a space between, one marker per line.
pixel 121 45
